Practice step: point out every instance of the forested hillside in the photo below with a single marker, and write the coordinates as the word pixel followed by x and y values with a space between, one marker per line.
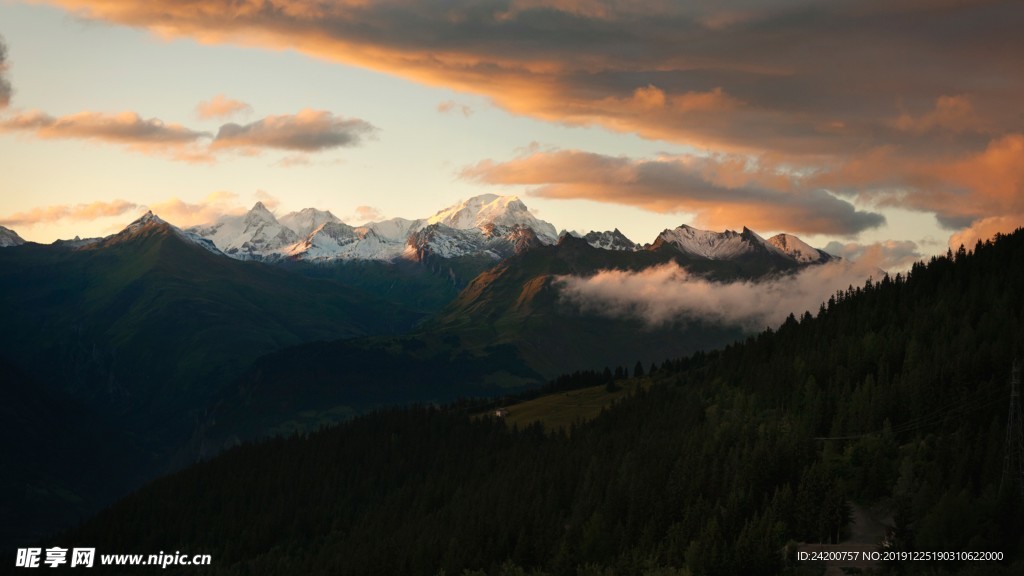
pixel 893 394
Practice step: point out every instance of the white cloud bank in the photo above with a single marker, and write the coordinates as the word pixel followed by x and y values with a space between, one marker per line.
pixel 667 293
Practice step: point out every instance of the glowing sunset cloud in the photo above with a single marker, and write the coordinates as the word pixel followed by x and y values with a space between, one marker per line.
pixel 861 105
pixel 221 107
pixel 718 192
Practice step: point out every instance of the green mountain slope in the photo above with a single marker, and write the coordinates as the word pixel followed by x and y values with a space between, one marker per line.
pixel 110 353
pixel 153 320
pixel 894 396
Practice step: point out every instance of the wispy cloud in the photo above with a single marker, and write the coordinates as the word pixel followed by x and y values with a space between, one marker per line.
pixel 126 127
pixel 307 131
pixel 668 293
pixel 449 106
pixel 724 71
pixel 269 200
pixel 73 212
pixel 366 214
pixel 178 211
pixel 221 107
pixel 150 136
pixel 183 214
pixel 869 95
pixel 723 192
pixel 5 84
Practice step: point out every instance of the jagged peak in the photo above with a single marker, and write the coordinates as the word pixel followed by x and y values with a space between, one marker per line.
pixel 571 240
pixel 145 219
pixel 307 220
pixel 751 235
pixel 259 213
pixel 610 240
pixel 312 213
pixel 797 249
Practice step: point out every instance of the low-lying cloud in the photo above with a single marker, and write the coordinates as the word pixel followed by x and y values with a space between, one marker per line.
pixel 668 293
pixel 891 255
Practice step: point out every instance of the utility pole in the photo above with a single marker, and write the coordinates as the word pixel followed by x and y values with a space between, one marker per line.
pixel 1013 464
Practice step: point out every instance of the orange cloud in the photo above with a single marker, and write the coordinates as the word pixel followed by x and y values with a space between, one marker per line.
pixel 953 113
pixel 985 229
pixel 367 214
pixel 574 60
pixel 995 174
pixel 892 102
pixel 722 193
pixel 77 212
pixel 221 107
pixel 151 136
pixel 957 188
pixel 307 131
pixel 184 214
pixel 268 199
pixel 451 105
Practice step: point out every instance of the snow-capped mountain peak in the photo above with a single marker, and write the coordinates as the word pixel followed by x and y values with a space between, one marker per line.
pixel 253 235
pixel 505 211
pixel 487 224
pixel 711 245
pixel 258 214
pixel 145 221
pixel 798 249
pixel 307 220
pixel 729 245
pixel 142 226
pixel 613 240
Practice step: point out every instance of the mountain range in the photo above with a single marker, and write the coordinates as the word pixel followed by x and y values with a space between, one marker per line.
pixel 878 424
pixel 487 225
pixel 161 319
pixel 175 343
pixel 490 225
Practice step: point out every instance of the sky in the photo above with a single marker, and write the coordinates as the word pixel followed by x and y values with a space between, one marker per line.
pixel 877 129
